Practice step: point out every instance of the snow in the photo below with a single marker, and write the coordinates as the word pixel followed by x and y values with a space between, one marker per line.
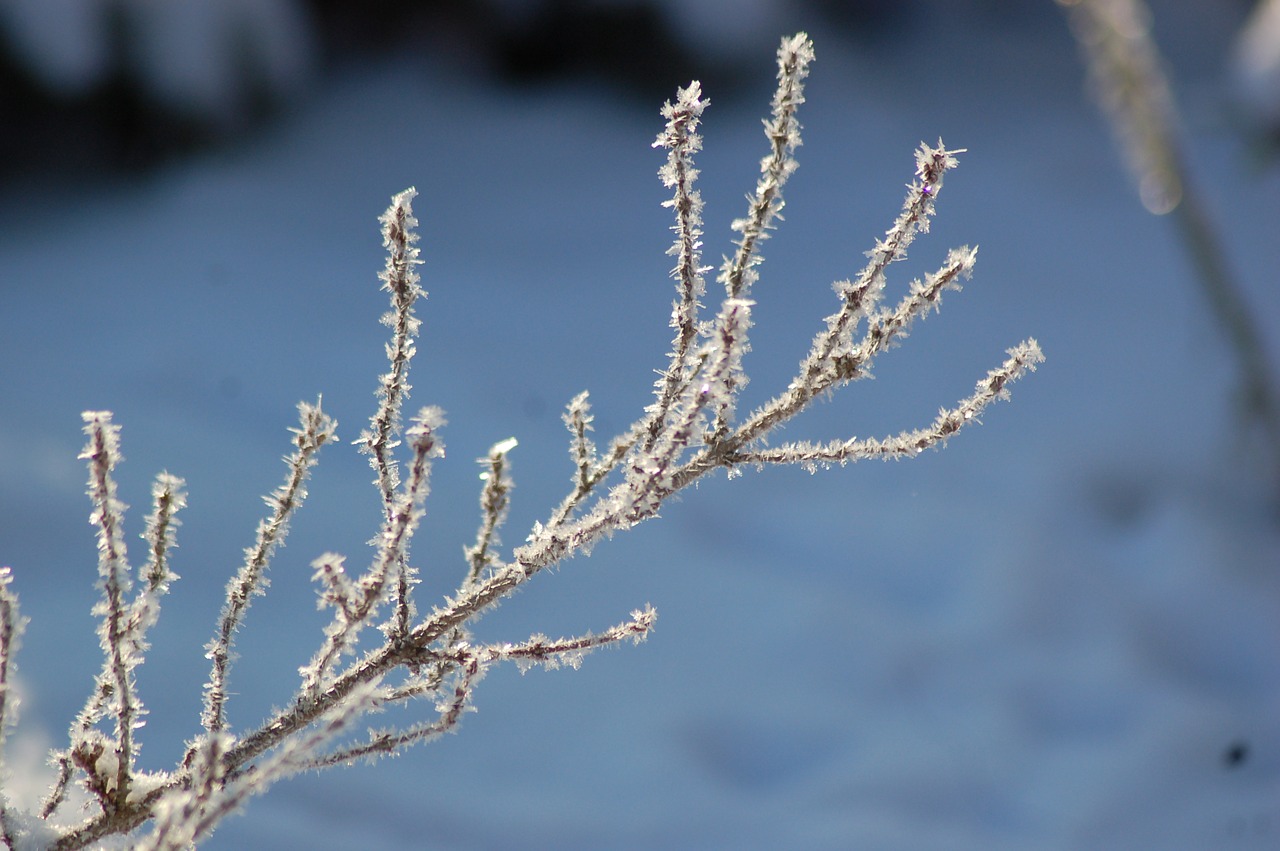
pixel 1052 634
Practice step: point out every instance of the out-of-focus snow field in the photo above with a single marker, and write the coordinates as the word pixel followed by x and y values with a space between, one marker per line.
pixel 1048 636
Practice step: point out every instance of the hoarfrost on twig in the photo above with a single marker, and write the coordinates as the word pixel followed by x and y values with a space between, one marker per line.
pixel 691 428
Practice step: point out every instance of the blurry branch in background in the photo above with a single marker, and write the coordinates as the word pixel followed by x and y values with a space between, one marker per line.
pixel 690 429
pixel 1255 78
pixel 1127 74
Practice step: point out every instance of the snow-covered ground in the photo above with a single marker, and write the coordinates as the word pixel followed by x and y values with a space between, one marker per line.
pixel 1061 632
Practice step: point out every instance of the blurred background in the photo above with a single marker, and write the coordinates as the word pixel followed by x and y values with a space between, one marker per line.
pixel 88 86
pixel 1061 632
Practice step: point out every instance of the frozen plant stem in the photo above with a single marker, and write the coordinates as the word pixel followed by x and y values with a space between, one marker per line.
pixel 380 439
pixel 315 430
pixel 690 429
pixel 10 627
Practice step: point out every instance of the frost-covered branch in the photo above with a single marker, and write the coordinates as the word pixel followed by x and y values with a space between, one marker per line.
pixel 783 131
pixel 11 624
pixel 469 664
pixel 681 138
pixel 1022 359
pixel 355 604
pixel 578 419
pixel 380 440
pixel 692 428
pixel 116 682
pixel 108 761
pixel 401 281
pixel 453 703
pixel 316 429
pixel 182 816
pixel 167 499
pixel 494 499
pixel 540 650
pixel 860 296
